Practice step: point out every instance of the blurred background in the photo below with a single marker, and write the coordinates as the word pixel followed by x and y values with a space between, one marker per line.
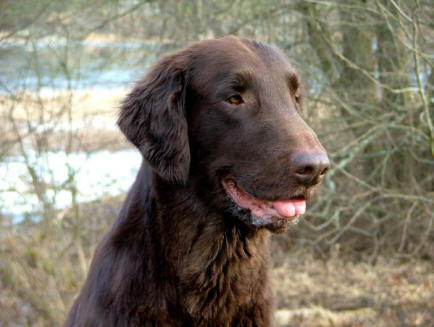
pixel 362 256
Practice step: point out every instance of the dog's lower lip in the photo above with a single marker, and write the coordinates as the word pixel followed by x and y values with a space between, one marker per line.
pixel 298 197
pixel 286 208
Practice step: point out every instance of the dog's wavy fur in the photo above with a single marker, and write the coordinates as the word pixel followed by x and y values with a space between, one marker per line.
pixel 181 253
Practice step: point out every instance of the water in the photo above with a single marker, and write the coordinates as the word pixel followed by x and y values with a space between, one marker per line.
pixel 54 64
pixel 95 175
pixel 57 64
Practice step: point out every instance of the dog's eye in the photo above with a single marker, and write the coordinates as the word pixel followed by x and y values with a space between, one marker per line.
pixel 235 99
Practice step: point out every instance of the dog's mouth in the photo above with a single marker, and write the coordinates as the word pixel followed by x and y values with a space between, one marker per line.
pixel 288 209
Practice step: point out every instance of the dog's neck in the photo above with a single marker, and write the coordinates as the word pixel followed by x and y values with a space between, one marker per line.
pixel 182 211
pixel 216 256
pixel 213 257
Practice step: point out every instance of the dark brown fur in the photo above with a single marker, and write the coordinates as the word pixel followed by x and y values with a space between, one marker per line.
pixel 181 253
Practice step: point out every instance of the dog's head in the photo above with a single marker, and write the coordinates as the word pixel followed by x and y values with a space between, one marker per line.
pixel 224 115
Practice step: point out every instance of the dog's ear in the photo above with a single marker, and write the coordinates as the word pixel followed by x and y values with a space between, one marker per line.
pixel 153 118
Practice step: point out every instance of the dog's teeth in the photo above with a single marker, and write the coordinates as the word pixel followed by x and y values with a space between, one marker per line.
pixel 270 203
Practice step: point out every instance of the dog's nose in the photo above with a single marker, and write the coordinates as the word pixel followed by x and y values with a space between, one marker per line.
pixel 310 167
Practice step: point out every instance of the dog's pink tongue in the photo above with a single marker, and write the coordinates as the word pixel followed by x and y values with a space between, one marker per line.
pixel 290 208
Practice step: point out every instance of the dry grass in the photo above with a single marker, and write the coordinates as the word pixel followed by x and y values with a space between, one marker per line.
pixel 78 120
pixel 42 267
pixel 83 103
pixel 337 292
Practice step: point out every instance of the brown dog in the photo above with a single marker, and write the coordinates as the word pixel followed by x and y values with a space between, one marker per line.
pixel 227 158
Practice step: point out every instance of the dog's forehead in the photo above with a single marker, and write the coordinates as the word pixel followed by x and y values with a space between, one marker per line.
pixel 220 58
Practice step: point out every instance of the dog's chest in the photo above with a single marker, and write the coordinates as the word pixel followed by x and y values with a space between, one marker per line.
pixel 228 276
